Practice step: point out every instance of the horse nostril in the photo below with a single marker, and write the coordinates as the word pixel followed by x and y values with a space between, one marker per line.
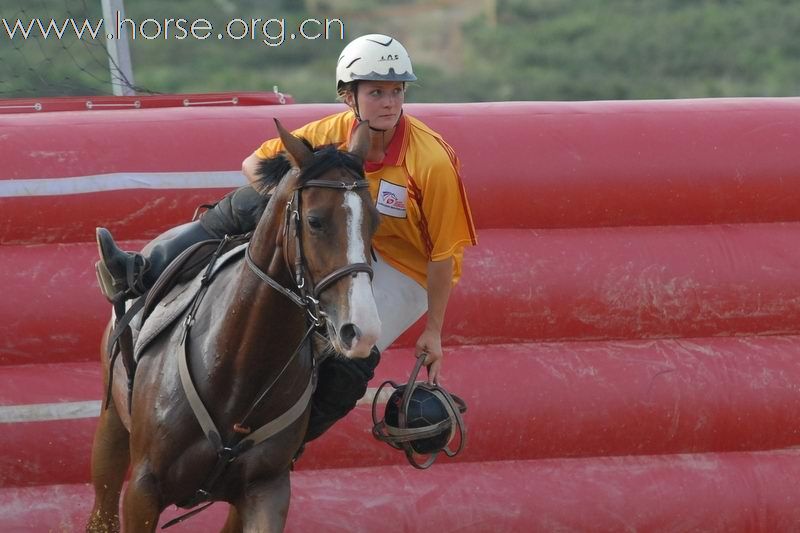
pixel 348 333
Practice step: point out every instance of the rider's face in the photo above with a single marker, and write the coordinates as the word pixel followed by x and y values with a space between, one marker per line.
pixel 381 102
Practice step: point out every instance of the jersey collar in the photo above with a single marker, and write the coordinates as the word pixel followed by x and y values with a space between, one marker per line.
pixel 397 147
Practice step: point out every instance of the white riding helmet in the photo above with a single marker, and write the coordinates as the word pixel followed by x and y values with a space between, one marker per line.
pixel 373 57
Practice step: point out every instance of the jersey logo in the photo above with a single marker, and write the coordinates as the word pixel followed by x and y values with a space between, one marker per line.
pixel 392 200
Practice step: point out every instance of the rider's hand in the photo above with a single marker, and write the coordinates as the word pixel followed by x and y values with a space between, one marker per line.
pixel 430 342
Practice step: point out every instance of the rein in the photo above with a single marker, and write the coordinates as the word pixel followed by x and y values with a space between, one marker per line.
pixel 308 300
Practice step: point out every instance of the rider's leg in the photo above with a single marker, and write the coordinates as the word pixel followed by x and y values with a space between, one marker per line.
pixel 124 275
pixel 129 274
pixel 236 214
pixel 342 382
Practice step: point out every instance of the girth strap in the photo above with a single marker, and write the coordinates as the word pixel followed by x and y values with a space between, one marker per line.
pixel 120 341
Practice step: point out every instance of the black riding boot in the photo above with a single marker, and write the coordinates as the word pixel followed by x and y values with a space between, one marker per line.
pixel 124 275
pixel 236 214
pixel 341 383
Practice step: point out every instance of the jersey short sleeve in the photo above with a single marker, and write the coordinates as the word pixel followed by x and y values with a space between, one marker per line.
pixel 444 205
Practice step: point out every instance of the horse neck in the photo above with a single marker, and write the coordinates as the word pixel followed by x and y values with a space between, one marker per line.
pixel 262 328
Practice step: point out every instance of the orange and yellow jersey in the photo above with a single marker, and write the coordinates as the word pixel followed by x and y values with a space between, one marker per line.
pixel 417 189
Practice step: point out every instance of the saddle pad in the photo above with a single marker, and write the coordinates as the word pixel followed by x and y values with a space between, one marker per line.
pixel 173 305
pixel 185 267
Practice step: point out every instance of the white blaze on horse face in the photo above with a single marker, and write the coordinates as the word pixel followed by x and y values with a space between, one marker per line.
pixel 362 311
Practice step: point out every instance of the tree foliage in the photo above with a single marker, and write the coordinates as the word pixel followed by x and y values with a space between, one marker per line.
pixel 499 50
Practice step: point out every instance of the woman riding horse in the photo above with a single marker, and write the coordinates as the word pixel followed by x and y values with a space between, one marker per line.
pixel 414 182
pixel 230 432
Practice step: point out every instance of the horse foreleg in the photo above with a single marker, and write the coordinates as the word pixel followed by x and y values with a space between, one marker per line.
pixel 110 459
pixel 141 507
pixel 264 506
pixel 233 524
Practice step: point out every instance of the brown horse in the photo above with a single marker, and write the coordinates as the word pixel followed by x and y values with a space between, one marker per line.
pixel 246 343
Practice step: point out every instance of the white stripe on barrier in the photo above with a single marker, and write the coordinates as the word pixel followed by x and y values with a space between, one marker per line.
pixel 122 181
pixel 43 412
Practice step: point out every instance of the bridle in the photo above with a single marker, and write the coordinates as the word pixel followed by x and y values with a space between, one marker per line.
pixel 309 291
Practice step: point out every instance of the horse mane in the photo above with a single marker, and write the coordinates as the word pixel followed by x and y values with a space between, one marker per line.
pixel 326 157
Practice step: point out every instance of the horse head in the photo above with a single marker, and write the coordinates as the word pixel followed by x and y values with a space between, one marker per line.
pixel 325 236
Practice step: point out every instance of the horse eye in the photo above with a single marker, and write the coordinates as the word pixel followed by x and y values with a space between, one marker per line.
pixel 315 223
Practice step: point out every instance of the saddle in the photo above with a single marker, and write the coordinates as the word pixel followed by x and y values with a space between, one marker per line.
pixel 185 267
pixel 177 286
pixel 147 317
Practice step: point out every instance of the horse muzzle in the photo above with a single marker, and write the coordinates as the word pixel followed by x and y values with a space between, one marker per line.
pixel 355 343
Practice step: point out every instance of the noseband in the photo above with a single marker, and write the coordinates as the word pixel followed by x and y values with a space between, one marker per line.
pixel 309 293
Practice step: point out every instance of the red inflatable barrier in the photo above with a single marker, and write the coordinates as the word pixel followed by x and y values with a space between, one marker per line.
pixel 709 492
pixel 526 401
pixel 527 165
pixel 634 296
pixel 697 281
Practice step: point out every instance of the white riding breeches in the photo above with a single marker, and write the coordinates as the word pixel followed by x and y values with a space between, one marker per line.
pixel 400 301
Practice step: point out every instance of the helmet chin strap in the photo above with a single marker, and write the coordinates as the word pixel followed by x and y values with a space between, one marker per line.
pixel 376 130
pixel 382 131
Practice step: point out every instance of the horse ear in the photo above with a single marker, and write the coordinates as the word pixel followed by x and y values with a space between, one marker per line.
pixel 298 152
pixel 359 141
